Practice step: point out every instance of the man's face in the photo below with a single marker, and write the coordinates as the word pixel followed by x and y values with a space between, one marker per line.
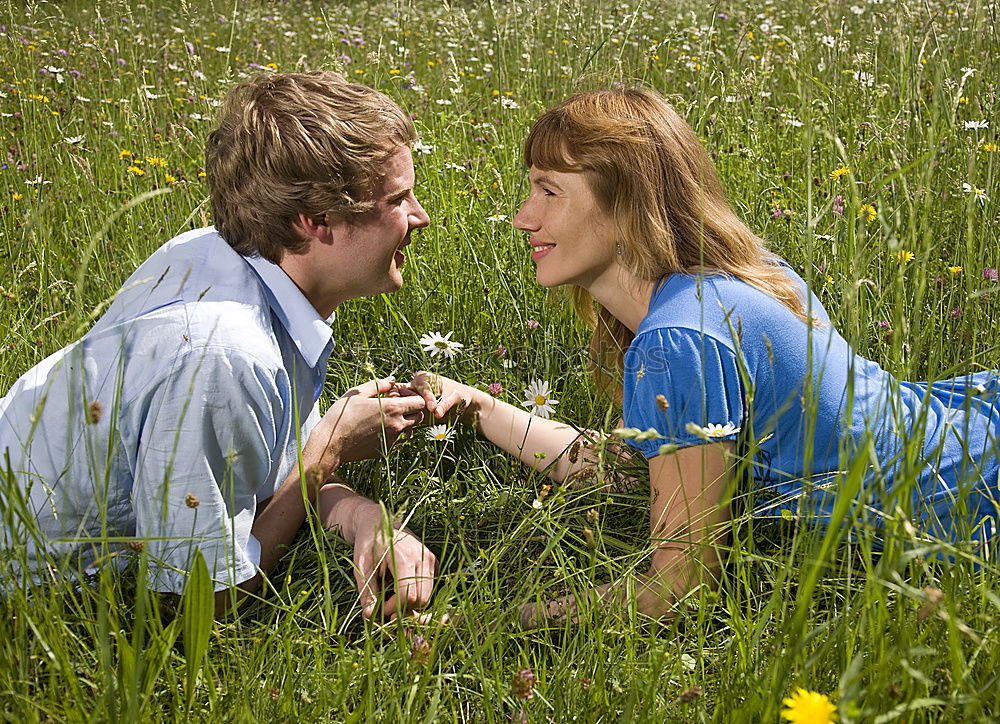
pixel 376 238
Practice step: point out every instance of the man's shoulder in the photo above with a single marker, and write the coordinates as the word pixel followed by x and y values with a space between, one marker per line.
pixel 193 293
pixel 197 267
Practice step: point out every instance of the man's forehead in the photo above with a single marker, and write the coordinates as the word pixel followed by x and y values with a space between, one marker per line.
pixel 397 173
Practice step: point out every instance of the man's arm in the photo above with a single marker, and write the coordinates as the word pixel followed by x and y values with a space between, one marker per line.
pixel 359 425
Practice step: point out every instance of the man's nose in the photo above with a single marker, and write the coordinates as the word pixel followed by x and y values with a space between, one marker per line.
pixel 420 217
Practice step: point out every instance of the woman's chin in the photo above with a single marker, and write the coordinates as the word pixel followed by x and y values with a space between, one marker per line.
pixel 547 281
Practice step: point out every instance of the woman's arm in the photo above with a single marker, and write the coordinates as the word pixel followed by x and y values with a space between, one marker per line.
pixel 688 515
pixel 562 451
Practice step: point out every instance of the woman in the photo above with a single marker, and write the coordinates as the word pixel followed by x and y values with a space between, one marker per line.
pixel 718 346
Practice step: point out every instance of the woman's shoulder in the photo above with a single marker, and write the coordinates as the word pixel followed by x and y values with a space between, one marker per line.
pixel 710 303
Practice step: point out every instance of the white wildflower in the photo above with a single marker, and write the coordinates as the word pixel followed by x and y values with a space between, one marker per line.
pixel 436 345
pixel 712 431
pixel 537 399
pixel 440 433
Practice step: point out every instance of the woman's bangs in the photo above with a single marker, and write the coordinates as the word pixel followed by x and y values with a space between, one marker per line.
pixel 546 147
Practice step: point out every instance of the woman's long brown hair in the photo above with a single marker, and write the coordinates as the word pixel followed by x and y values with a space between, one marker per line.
pixel 650 173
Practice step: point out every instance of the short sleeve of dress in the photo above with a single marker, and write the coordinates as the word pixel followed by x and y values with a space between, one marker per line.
pixel 699 380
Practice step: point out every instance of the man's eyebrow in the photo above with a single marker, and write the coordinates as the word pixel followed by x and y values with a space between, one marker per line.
pixel 399 193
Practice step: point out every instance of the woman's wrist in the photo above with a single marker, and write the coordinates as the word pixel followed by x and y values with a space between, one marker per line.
pixel 481 404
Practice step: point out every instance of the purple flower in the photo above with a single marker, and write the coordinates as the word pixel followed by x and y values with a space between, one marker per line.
pixel 990 274
pixel 776 212
pixel 501 351
pixel 956 312
pixel 420 650
pixel 496 389
pixel 882 324
pixel 522 686
pixel 722 16
pixel 75 73
pixel 838 205
pixel 532 324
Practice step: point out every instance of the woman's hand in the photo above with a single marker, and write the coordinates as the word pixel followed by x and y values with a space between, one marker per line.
pixel 445 396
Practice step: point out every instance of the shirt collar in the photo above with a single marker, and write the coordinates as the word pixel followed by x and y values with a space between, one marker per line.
pixel 310 332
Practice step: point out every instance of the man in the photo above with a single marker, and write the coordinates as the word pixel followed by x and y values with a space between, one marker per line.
pixel 176 422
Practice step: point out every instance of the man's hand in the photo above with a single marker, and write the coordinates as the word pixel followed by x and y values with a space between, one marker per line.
pixel 368 419
pixel 379 549
pixel 444 395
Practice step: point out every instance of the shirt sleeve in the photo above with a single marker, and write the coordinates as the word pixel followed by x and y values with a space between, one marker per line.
pixel 205 444
pixel 699 380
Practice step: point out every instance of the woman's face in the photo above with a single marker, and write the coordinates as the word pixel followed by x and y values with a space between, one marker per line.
pixel 571 236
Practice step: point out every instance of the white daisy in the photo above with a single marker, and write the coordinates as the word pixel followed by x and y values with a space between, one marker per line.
pixel 436 345
pixel 980 194
pixel 971 125
pixel 440 433
pixel 712 431
pixel 537 399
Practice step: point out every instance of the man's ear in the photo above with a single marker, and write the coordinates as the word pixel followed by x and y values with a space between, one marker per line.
pixel 311 227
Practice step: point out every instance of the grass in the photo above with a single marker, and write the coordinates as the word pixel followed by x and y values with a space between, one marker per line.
pixel 102 103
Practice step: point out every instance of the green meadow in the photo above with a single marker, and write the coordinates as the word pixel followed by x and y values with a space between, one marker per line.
pixel 858 138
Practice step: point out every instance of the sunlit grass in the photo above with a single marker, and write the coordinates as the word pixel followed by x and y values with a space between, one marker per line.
pixel 101 106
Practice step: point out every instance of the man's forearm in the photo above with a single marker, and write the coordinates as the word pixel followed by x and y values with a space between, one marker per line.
pixel 281 518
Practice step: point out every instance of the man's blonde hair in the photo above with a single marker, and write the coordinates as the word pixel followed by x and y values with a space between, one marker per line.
pixel 291 143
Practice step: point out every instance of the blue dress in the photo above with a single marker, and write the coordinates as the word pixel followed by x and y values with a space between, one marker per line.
pixel 721 353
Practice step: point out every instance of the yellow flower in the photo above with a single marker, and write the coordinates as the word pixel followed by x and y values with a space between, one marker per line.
pixel 156 161
pixel 124 153
pixel 838 172
pixel 201 174
pixel 272 66
pixel 955 269
pixel 869 212
pixel 170 179
pixel 17 196
pixel 808 707
pixel 904 255
pixel 991 147
pixel 136 170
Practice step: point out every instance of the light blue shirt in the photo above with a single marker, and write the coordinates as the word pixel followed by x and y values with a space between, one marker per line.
pixel 204 373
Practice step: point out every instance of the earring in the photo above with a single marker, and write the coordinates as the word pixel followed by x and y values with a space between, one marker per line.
pixel 618 248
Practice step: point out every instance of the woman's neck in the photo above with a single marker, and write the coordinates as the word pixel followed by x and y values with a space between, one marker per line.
pixel 623 295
